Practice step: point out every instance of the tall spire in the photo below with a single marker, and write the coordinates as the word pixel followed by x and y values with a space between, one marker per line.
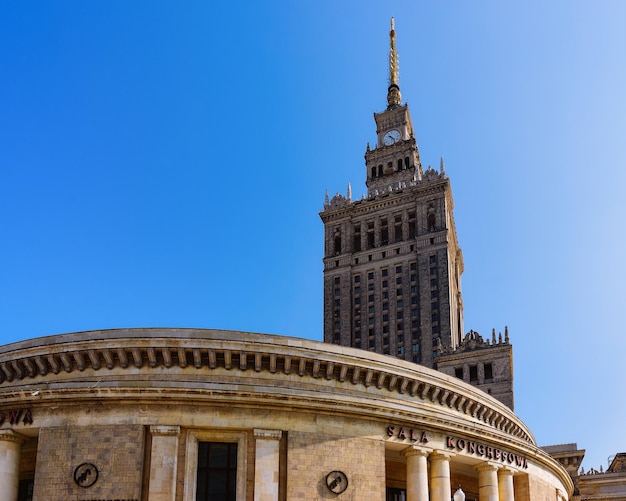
pixel 394 98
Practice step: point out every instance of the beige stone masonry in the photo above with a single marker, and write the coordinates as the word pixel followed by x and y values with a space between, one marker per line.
pixel 163 463
pixel 267 465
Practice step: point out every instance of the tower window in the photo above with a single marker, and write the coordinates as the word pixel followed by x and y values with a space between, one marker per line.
pixel 411 225
pixel 488 372
pixel 380 170
pixel 398 228
pixel 357 237
pixel 431 221
pixel 374 171
pixel 399 164
pixel 406 162
pixel 384 232
pixel 337 244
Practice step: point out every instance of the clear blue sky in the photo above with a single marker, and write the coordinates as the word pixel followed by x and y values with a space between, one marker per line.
pixel 163 163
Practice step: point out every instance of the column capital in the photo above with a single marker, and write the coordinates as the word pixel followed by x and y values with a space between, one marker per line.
pixel 487 466
pixel 11 436
pixel 165 430
pixel 505 470
pixel 415 450
pixel 268 434
pixel 438 455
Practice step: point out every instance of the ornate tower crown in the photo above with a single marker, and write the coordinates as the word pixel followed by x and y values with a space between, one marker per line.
pixel 394 98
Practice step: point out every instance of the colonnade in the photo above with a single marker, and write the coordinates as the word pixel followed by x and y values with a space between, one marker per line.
pixel 495 482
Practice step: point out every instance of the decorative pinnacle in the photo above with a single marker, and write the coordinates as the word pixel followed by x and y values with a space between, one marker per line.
pixel 394 97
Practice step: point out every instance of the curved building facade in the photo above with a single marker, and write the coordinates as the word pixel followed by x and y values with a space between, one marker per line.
pixel 188 414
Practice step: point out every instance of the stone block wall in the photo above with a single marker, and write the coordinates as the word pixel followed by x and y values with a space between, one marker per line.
pixel 117 452
pixel 530 488
pixel 312 456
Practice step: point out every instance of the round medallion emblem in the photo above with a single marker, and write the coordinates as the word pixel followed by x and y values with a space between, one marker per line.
pixel 86 474
pixel 337 481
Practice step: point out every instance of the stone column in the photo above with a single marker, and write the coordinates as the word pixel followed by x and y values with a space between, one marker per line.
pixel 163 463
pixel 416 474
pixel 266 464
pixel 487 482
pixel 505 484
pixel 440 476
pixel 10 455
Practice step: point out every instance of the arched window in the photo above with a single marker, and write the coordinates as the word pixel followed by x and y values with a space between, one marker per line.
pixel 399 164
pixel 374 171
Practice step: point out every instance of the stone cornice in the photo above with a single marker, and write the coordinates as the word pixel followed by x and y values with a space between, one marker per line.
pixel 190 362
pixel 373 205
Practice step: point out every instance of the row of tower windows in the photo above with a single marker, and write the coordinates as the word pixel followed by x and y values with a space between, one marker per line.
pixel 474 375
pixel 401 232
pixel 370 317
pixel 377 170
pixel 434 305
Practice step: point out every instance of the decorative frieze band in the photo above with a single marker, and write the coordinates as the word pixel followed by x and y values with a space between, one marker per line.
pixel 243 356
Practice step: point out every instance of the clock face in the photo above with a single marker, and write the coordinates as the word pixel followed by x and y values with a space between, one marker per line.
pixel 391 137
pixel 337 481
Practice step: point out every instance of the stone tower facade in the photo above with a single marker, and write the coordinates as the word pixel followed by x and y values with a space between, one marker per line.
pixel 481 363
pixel 392 262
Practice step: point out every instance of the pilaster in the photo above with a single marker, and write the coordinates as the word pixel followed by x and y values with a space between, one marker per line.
pixel 163 463
pixel 267 464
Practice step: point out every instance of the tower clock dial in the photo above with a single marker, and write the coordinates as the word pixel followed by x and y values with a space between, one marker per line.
pixel 391 137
